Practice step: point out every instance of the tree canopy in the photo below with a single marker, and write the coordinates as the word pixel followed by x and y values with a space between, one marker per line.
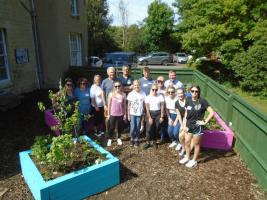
pixel 159 25
pixel 233 30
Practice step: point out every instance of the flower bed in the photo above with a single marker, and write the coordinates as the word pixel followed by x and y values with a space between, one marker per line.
pixel 218 139
pixel 75 185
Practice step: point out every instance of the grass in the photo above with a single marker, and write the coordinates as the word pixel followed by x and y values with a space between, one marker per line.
pixel 259 102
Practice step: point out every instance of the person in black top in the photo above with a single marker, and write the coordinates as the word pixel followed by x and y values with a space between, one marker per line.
pixel 126 79
pixel 127 83
pixel 195 111
pixel 180 108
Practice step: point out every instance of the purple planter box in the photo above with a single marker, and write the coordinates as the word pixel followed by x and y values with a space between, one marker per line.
pixel 51 121
pixel 218 139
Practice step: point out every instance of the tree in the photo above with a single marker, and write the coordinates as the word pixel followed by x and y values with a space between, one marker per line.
pixel 124 22
pixel 136 39
pixel 233 29
pixel 99 41
pixel 159 26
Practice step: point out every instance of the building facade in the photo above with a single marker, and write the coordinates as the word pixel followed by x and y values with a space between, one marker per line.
pixel 39 40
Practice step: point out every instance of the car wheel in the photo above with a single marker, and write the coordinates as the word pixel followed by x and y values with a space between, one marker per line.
pixel 144 63
pixel 165 63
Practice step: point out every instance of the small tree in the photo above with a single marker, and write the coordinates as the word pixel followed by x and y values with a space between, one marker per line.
pixel 66 114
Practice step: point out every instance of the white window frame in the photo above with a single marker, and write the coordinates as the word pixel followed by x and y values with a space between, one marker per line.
pixel 5 55
pixel 75 44
pixel 74 8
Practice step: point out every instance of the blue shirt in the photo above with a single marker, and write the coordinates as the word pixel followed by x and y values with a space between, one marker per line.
pixel 146 84
pixel 107 86
pixel 126 82
pixel 83 96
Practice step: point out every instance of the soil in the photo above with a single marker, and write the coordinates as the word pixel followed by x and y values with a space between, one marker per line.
pixel 144 174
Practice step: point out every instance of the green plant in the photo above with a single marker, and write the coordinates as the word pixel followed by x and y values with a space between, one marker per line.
pixel 65 154
pixel 212 125
pixel 66 114
pixel 56 156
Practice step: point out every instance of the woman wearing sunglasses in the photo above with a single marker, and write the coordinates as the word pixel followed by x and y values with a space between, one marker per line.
pixel 82 94
pixel 195 111
pixel 69 96
pixel 174 119
pixel 136 101
pixel 116 112
pixel 154 115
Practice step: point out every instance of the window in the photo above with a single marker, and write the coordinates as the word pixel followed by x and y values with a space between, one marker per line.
pixel 4 73
pixel 74 7
pixel 75 49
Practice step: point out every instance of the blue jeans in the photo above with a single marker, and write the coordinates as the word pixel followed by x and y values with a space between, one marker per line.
pixel 135 126
pixel 173 131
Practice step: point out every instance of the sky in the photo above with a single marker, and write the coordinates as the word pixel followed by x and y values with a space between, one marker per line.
pixel 137 10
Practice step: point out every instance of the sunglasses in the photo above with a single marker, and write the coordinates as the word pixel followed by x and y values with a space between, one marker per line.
pixel 171 92
pixel 69 84
pixel 160 81
pixel 194 91
pixel 82 83
pixel 155 90
pixel 117 86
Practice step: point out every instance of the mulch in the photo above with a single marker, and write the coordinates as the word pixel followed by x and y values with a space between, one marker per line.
pixel 144 174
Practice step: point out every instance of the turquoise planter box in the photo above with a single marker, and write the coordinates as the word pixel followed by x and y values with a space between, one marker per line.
pixel 76 185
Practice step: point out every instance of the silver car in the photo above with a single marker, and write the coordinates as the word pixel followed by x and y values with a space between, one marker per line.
pixel 161 58
pixel 180 57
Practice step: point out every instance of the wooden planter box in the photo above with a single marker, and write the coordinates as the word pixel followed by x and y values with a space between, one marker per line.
pixel 218 139
pixel 76 185
pixel 51 121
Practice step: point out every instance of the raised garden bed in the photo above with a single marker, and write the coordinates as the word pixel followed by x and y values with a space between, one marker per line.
pixel 218 139
pixel 75 185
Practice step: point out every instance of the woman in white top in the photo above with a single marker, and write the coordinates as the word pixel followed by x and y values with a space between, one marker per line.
pixel 136 101
pixel 98 102
pixel 154 115
pixel 174 118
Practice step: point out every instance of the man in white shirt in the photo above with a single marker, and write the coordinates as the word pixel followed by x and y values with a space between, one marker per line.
pixel 173 81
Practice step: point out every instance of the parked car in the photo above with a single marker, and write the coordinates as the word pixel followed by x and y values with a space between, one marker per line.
pixel 118 59
pixel 95 61
pixel 161 58
pixel 180 57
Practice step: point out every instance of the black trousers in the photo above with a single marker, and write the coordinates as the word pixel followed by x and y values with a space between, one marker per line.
pixel 152 131
pixel 113 120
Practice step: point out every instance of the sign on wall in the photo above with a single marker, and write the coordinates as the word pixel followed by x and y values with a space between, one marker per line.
pixel 21 55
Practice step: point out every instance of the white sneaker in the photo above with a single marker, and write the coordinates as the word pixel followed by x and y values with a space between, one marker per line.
pixel 173 144
pixel 178 147
pixel 181 153
pixel 109 142
pixel 142 128
pixel 184 160
pixel 119 141
pixel 191 163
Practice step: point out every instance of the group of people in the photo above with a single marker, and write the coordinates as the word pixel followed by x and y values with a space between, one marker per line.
pixel 156 106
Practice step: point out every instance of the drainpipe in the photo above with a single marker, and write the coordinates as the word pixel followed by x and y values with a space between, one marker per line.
pixel 39 69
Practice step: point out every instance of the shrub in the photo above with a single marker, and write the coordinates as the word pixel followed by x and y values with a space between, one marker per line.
pixel 251 69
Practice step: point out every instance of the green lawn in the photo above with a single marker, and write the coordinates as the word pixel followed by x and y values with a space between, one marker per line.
pixel 257 101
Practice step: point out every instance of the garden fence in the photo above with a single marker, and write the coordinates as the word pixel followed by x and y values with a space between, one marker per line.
pixel 249 124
